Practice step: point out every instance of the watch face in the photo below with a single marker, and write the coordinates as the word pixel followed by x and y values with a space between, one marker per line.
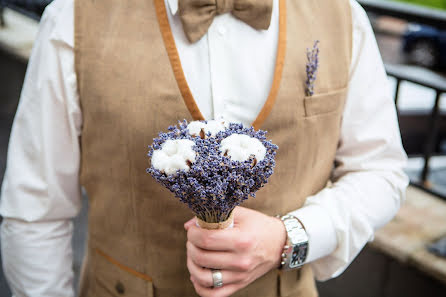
pixel 299 255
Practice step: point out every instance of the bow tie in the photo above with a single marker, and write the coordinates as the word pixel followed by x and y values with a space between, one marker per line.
pixel 197 15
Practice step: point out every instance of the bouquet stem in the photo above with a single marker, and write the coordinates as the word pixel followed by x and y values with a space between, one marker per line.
pixel 229 223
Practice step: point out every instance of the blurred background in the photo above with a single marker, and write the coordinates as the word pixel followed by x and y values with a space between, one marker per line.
pixel 407 256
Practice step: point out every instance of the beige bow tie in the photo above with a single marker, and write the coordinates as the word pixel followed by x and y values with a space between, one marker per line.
pixel 197 15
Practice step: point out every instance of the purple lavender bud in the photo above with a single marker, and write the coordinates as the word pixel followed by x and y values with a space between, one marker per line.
pixel 311 68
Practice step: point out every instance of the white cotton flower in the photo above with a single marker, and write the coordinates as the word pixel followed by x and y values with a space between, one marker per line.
pixel 195 127
pixel 212 126
pixel 216 126
pixel 174 155
pixel 240 147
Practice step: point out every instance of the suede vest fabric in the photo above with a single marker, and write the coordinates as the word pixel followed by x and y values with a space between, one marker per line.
pixel 132 86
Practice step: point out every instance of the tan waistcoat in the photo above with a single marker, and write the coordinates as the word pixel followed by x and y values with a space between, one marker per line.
pixel 132 86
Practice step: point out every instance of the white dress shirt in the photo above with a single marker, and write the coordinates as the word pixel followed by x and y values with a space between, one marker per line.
pixel 41 190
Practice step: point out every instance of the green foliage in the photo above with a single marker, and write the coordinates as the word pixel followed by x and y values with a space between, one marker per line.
pixel 430 3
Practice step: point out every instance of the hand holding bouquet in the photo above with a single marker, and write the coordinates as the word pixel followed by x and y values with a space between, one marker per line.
pixel 212 166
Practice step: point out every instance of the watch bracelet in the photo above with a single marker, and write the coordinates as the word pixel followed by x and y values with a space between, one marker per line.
pixel 286 249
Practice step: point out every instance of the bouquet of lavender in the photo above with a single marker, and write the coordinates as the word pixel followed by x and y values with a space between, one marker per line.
pixel 212 166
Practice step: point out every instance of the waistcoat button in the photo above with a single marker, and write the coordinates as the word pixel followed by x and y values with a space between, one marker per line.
pixel 120 288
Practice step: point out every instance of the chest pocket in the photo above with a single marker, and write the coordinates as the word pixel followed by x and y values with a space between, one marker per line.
pixel 325 103
pixel 112 279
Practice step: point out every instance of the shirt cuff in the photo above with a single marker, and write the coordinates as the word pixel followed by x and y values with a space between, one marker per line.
pixel 320 230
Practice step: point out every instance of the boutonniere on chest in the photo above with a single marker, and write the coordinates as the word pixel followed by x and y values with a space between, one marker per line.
pixel 212 166
pixel 312 67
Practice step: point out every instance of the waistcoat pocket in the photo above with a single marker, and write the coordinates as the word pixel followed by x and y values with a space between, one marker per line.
pixel 111 278
pixel 324 103
pixel 297 283
pixel 289 283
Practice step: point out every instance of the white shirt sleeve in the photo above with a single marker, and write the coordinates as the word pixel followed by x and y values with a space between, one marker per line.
pixel 369 182
pixel 41 191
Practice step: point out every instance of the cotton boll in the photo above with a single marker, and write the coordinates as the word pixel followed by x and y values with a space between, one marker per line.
pixel 186 151
pixel 238 154
pixel 176 162
pixel 240 147
pixel 195 127
pixel 211 126
pixel 174 155
pixel 159 159
pixel 214 127
pixel 170 147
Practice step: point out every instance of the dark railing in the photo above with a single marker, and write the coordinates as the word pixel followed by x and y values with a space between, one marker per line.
pixel 417 75
pixel 429 79
pixel 30 8
pixel 2 20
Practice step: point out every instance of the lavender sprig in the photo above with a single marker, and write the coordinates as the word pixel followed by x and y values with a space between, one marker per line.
pixel 312 67
pixel 214 184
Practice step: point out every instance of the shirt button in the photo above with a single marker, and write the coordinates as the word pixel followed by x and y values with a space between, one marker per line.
pixel 221 30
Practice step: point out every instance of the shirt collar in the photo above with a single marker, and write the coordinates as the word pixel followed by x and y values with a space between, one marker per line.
pixel 173 5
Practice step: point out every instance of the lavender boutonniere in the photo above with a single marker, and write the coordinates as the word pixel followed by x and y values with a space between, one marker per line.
pixel 212 167
pixel 312 66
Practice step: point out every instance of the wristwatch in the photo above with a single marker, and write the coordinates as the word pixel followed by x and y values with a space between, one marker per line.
pixel 296 247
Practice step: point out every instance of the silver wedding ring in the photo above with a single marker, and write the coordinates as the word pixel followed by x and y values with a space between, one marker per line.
pixel 217 278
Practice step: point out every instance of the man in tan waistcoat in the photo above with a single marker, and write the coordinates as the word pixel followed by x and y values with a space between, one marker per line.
pixel 106 76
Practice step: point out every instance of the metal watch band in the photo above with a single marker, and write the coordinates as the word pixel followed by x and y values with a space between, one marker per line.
pixel 296 248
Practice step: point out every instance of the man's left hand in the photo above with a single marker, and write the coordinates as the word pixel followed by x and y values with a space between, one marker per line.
pixel 242 253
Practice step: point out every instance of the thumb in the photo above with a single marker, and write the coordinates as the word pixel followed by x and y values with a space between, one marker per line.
pixel 189 224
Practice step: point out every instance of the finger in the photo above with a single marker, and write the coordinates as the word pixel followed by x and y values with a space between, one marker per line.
pixel 216 240
pixel 189 223
pixel 203 276
pixel 214 259
pixel 225 291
